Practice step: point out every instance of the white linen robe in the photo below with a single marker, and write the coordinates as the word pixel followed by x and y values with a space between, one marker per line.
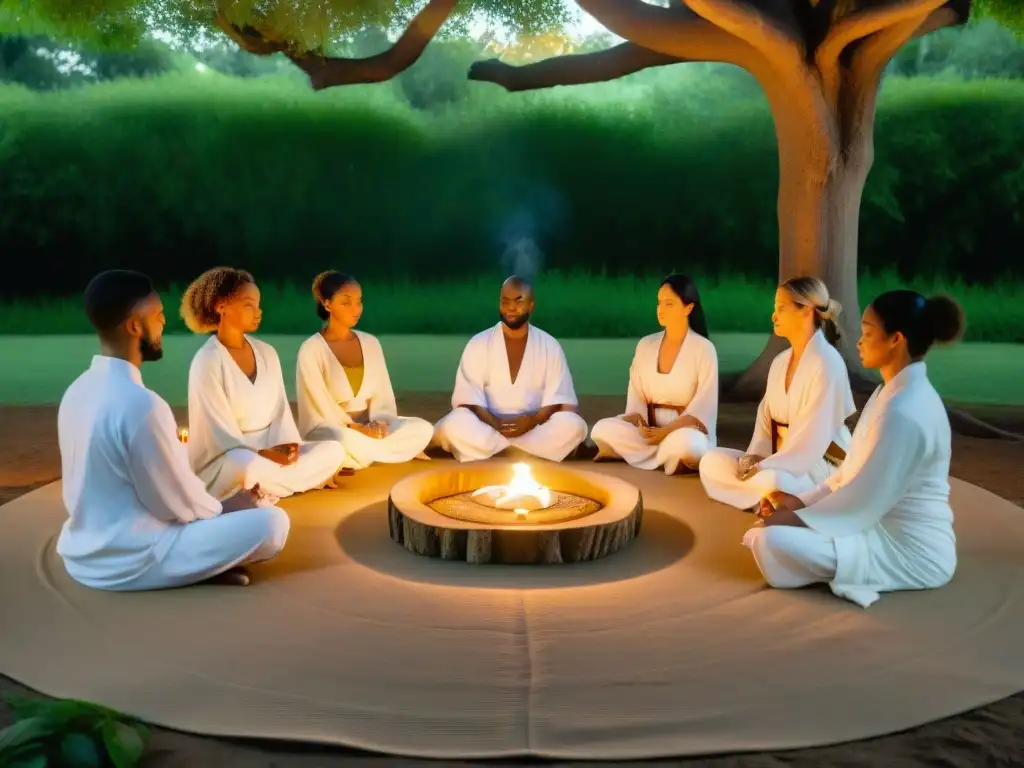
pixel 691 384
pixel 483 379
pixel 230 418
pixel 327 404
pixel 814 411
pixel 138 517
pixel 883 521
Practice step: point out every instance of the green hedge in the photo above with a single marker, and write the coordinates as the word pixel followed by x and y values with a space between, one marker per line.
pixel 176 174
pixel 568 305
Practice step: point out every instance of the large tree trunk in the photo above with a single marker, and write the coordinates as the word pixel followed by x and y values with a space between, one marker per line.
pixel 825 155
pixel 821 68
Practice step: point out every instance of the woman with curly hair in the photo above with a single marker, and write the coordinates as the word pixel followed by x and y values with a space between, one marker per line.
pixel 343 387
pixel 241 428
pixel 800 437
pixel 883 522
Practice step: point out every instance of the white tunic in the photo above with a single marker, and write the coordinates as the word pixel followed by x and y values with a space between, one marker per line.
pixel 138 516
pixel 484 380
pixel 812 415
pixel 327 404
pixel 691 386
pixel 232 418
pixel 885 514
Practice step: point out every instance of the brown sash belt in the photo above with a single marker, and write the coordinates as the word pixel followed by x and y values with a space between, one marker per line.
pixel 679 409
pixel 834 455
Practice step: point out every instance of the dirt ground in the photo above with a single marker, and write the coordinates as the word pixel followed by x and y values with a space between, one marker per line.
pixel 989 736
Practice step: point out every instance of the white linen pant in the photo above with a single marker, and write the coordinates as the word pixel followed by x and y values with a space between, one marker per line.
pixel 790 557
pixel 718 476
pixel 242 468
pixel 406 439
pixel 616 437
pixel 463 435
pixel 205 548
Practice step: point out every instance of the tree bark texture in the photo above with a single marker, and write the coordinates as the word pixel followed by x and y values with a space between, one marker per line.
pixel 514 546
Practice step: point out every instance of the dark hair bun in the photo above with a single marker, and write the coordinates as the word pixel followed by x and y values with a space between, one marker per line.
pixel 944 318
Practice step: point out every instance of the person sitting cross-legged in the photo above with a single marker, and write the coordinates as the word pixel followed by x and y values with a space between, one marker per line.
pixel 139 519
pixel 512 388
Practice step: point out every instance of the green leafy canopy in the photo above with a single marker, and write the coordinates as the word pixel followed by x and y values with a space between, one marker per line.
pixel 1009 13
pixel 311 24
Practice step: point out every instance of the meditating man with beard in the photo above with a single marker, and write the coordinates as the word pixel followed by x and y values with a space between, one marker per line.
pixel 512 388
pixel 139 518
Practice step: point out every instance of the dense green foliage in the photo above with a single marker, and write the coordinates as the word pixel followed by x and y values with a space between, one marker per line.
pixel 308 24
pixel 570 305
pixel 187 170
pixel 70 733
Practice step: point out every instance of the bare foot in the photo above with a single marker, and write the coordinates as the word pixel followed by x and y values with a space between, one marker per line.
pixel 233 577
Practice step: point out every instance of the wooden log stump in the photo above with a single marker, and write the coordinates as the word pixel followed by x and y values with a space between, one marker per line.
pixel 423 530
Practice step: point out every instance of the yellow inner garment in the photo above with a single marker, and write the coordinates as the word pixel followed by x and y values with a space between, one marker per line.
pixel 355 377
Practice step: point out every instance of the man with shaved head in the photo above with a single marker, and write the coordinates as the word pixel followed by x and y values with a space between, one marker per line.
pixel 512 389
pixel 138 518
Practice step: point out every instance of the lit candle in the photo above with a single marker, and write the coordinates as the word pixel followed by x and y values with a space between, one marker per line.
pixel 521 514
pixel 182 434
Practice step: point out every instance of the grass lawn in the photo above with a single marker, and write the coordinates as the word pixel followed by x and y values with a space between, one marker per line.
pixel 38 368
pixel 569 306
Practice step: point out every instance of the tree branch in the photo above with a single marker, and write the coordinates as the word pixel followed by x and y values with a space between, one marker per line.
pixel 675 31
pixel 660 37
pixel 574 69
pixel 859 25
pixel 858 96
pixel 330 71
pixel 752 26
pixel 944 17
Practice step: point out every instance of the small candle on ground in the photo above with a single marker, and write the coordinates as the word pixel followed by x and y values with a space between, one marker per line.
pixel 521 514
pixel 182 435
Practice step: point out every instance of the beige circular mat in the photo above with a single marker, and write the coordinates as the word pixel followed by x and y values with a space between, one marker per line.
pixel 671 647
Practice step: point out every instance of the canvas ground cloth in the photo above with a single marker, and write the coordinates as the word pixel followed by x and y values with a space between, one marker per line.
pixel 672 647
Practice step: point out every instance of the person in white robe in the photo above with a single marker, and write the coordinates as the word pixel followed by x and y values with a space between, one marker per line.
pixel 343 387
pixel 883 522
pixel 241 428
pixel 800 434
pixel 513 388
pixel 139 518
pixel 672 397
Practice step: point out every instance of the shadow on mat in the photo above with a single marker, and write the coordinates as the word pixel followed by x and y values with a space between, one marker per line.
pixel 363 535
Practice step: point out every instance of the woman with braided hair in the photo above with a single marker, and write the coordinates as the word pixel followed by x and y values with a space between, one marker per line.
pixel 241 427
pixel 343 386
pixel 800 437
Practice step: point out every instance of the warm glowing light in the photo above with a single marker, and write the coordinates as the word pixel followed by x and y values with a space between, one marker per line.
pixel 522 493
pixel 182 435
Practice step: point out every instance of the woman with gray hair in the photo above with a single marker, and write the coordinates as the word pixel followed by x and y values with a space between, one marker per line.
pixel 800 437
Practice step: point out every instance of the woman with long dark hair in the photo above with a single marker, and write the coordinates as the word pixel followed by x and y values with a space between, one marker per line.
pixel 672 397
pixel 343 387
pixel 800 436
pixel 883 522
